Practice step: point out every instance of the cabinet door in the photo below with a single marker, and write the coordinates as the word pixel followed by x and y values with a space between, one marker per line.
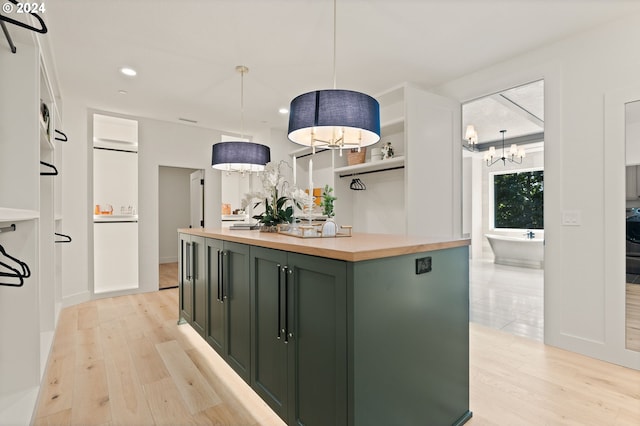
pixel 269 368
pixel 186 287
pixel 316 323
pixel 237 304
pixel 199 315
pixel 215 311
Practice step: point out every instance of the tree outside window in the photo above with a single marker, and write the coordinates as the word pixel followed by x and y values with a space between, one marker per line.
pixel 518 200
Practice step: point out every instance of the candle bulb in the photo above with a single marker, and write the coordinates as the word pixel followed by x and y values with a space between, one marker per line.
pixel 294 170
pixel 311 177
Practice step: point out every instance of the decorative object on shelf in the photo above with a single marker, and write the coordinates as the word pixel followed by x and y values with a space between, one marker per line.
pixel 387 151
pixel 516 154
pixel 278 198
pixel 333 118
pixel 239 156
pixel 356 156
pixel 471 136
pixel 327 202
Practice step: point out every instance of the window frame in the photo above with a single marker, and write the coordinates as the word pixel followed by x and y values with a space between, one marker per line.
pixel 492 201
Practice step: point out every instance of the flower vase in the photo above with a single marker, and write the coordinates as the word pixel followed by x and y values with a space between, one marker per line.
pixel 268 228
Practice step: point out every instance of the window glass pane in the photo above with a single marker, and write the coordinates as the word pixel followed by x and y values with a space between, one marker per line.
pixel 518 200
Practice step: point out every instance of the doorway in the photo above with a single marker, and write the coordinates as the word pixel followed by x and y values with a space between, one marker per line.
pixel 503 208
pixel 181 205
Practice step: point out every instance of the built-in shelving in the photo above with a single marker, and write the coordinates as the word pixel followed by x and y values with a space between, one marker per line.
pixel 14 215
pixel 371 166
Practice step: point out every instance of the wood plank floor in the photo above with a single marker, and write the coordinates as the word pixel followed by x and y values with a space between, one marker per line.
pixel 125 361
pixel 168 275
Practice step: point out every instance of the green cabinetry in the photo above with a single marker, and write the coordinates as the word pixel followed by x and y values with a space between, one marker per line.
pixel 192 280
pixel 323 341
pixel 299 336
pixel 228 301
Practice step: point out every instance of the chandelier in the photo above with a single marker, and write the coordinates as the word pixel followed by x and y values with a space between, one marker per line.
pixel 515 154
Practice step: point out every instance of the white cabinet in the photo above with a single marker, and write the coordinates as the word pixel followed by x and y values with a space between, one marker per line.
pixel 115 191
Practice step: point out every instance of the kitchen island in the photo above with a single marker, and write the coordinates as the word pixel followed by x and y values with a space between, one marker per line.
pixel 364 330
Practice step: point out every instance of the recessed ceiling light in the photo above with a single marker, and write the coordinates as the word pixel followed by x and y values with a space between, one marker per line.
pixel 283 111
pixel 128 71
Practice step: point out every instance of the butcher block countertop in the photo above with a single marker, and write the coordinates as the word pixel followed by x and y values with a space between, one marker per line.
pixel 358 247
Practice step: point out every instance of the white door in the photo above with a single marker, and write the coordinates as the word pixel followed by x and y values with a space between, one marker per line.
pixel 197 199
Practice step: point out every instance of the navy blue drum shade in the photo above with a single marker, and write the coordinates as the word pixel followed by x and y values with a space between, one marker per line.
pixel 334 119
pixel 240 156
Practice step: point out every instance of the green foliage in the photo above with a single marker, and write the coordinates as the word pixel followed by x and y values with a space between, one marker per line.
pixel 327 201
pixel 275 213
pixel 519 200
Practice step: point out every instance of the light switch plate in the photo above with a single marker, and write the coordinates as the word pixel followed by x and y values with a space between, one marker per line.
pixel 572 218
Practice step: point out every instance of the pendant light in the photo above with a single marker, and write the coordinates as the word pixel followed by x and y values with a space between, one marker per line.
pixel 333 118
pixel 239 156
pixel 515 155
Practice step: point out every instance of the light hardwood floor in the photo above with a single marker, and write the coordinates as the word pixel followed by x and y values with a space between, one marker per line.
pixel 168 275
pixel 125 361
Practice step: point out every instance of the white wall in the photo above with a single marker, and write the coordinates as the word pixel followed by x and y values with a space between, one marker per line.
pixel 578 73
pixel 174 203
pixel 160 144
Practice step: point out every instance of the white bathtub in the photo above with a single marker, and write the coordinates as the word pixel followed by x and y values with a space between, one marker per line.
pixel 517 251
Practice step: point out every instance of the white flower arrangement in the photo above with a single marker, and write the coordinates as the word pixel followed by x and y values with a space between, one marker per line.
pixel 278 196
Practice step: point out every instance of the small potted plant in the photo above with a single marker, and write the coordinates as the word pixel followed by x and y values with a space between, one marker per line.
pixel 327 202
pixel 329 228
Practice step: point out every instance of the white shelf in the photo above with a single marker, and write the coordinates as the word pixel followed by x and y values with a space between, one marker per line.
pixel 10 215
pixel 371 166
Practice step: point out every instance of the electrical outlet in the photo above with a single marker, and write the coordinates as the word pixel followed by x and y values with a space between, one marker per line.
pixel 423 265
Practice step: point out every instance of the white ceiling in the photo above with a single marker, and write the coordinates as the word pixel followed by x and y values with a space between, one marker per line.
pixel 186 51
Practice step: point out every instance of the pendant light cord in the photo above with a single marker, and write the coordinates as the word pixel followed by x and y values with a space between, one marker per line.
pixel 334 44
pixel 242 70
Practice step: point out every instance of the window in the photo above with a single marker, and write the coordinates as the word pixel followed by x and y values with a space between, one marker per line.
pixel 518 200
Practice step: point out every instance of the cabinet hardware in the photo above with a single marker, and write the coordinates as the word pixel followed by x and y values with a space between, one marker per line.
pixel 285 330
pixel 218 298
pixel 279 300
pixel 223 277
pixel 188 256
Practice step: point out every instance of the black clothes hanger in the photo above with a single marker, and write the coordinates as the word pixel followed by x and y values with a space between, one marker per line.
pixel 41 30
pixel 13 274
pixel 67 239
pixel 26 272
pixel 357 185
pixel 63 136
pixel 53 173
